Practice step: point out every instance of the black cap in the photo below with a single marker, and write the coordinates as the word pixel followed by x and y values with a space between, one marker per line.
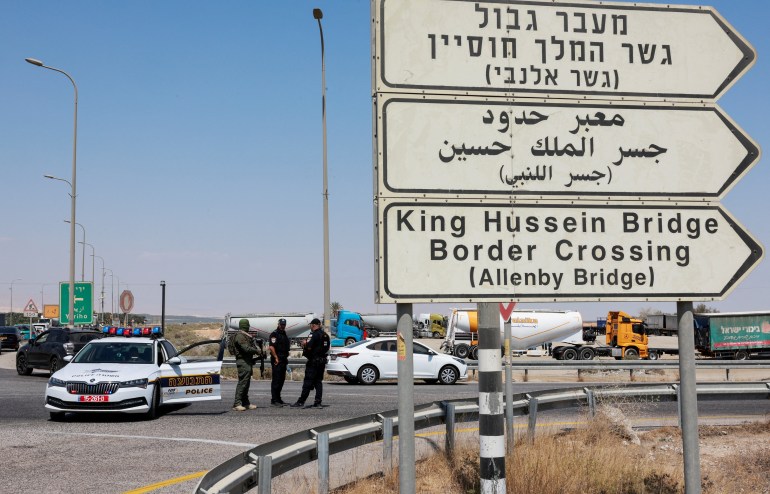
pixel 282 321
pixel 315 321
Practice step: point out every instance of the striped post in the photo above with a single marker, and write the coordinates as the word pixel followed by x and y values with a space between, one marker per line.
pixel 491 404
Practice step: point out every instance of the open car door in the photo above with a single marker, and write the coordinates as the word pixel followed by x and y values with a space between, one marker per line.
pixel 191 379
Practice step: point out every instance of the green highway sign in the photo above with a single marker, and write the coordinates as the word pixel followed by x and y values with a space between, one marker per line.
pixel 84 302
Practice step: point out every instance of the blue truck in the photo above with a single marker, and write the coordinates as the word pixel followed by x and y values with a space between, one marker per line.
pixel 352 326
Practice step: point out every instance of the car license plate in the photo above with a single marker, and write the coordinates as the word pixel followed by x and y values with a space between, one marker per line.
pixel 94 398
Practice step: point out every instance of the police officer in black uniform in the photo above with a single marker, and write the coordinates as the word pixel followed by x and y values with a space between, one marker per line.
pixel 315 350
pixel 279 358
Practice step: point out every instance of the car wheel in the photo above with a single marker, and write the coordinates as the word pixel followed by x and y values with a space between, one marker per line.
pixel 462 351
pixel 54 364
pixel 570 354
pixel 367 374
pixel 586 354
pixel 351 379
pixel 448 375
pixel 152 413
pixel 21 366
pixel 57 416
pixel 349 341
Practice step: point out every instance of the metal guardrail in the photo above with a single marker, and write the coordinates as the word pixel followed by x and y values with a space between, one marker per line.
pixel 257 466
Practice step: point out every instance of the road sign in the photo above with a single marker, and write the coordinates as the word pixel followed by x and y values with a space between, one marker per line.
pixel 434 251
pixel 547 48
pixel 126 301
pixel 84 302
pixel 438 145
pixel 30 310
pixel 51 311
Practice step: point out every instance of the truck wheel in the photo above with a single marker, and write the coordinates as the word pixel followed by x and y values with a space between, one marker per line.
pixel 373 333
pixel 436 334
pixel 741 355
pixel 570 354
pixel 462 351
pixel 631 354
pixel 367 374
pixel 421 326
pixel 474 353
pixel 349 341
pixel 654 356
pixel 586 354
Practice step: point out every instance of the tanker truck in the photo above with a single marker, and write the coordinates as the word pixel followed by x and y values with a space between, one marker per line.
pixel 528 328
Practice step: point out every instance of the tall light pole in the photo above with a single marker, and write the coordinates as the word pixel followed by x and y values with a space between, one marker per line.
pixel 10 323
pixel 318 15
pixel 83 260
pixel 73 184
pixel 93 262
pixel 102 297
pixel 112 295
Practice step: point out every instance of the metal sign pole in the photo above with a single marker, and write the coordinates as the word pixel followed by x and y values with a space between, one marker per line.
pixel 688 403
pixel 508 386
pixel 406 459
pixel 491 427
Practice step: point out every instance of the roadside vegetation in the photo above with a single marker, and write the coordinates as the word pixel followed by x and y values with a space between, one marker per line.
pixel 604 456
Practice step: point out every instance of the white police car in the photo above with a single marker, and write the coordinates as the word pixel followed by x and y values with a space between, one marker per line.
pixel 130 370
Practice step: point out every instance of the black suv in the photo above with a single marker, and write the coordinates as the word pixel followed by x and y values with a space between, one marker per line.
pixel 48 350
pixel 10 337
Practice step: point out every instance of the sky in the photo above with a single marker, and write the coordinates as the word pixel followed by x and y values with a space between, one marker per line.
pixel 199 154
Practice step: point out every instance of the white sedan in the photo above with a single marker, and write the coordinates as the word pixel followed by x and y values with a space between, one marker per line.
pixel 134 373
pixel 370 360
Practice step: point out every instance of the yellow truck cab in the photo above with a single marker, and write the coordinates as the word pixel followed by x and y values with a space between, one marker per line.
pixel 628 334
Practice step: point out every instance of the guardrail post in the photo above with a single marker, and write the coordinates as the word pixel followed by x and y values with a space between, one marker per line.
pixel 526 375
pixel 265 467
pixel 532 418
pixel 591 401
pixel 450 428
pixel 727 374
pixel 322 447
pixel 387 444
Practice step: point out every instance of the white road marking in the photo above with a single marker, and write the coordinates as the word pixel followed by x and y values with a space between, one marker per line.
pixel 181 439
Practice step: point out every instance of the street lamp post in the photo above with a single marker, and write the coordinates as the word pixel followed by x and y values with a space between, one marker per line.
pixel 73 184
pixel 112 294
pixel 318 15
pixel 93 262
pixel 10 323
pixel 83 259
pixel 101 299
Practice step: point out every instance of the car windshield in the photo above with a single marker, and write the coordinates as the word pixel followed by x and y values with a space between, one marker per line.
pixel 115 353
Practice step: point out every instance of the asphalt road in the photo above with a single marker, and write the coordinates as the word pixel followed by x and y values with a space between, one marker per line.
pixel 119 453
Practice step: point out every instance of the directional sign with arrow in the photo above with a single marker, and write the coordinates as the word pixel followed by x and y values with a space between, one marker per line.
pixel 464 146
pixel 557 48
pixel 557 252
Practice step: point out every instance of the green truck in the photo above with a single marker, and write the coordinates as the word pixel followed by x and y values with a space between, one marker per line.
pixel 737 335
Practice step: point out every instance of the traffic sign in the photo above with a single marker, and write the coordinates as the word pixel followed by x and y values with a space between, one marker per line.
pixel 463 146
pixel 547 48
pixel 30 310
pixel 435 251
pixel 126 301
pixel 51 311
pixel 84 302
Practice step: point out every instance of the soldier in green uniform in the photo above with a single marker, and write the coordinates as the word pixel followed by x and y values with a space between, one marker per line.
pixel 245 351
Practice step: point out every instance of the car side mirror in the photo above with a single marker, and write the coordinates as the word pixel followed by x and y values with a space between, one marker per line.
pixel 68 358
pixel 174 361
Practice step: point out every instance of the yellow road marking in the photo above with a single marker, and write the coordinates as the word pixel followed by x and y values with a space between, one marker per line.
pixel 166 483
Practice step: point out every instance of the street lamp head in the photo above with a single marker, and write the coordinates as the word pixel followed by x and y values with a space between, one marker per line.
pixel 317 14
pixel 50 176
pixel 34 62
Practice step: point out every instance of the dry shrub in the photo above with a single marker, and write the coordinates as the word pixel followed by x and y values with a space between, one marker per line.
pixel 740 472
